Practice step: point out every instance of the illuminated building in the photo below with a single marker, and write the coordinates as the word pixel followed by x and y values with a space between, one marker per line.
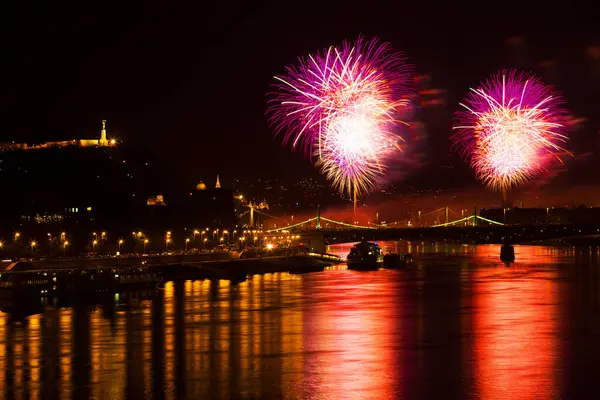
pixel 157 200
pixel 102 142
pixel 212 207
pixel 200 186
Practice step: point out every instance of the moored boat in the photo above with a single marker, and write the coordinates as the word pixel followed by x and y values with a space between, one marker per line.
pixel 365 255
pixel 396 260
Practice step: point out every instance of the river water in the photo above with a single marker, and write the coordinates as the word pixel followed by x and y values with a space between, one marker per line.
pixel 458 324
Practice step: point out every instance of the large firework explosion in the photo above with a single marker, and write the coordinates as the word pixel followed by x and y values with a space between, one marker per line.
pixel 340 106
pixel 512 129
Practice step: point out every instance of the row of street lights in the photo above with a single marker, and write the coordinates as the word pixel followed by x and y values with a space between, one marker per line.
pixel 97 238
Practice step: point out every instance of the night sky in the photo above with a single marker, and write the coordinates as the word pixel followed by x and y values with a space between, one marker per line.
pixel 189 80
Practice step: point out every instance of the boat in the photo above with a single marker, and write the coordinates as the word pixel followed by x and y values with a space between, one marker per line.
pixel 396 260
pixel 365 255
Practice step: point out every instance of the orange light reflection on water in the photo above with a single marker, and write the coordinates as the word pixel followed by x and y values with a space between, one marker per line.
pixel 516 352
pixel 346 341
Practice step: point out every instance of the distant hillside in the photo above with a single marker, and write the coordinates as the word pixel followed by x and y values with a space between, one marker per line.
pixel 110 180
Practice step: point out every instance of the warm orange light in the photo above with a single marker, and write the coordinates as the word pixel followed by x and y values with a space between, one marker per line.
pixel 95 242
pixel 168 233
pixel 269 246
pixel 120 241
pixel 33 243
pixel 17 235
pixel 196 232
pixel 1 244
pixel 168 240
pixel 146 241
pixel 187 240
pixel 66 243
pixel 140 234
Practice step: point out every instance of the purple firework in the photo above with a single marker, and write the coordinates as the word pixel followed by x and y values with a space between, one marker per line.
pixel 326 86
pixel 511 130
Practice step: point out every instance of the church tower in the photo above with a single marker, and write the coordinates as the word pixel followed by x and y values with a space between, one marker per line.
pixel 218 184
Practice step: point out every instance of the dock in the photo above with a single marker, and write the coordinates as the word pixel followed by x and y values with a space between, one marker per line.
pixel 30 281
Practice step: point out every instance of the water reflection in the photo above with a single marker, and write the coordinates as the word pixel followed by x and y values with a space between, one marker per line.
pixel 515 317
pixel 458 324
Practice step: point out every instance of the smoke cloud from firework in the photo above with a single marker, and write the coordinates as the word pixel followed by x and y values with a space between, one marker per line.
pixel 513 129
pixel 340 106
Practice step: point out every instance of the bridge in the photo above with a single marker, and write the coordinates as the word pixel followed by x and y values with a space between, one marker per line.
pixel 319 222
pixel 465 229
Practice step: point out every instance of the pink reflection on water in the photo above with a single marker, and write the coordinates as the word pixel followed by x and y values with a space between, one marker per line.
pixel 516 348
pixel 350 341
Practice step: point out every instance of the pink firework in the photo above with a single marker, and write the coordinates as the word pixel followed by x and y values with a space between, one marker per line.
pixel 512 130
pixel 340 105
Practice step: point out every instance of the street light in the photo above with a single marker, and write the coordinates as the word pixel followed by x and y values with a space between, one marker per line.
pixel 167 241
pixel 146 241
pixel 33 244
pixel 120 243
pixel 94 243
pixel 17 235
pixel 1 244
pixel 65 244
pixel 187 241
pixel 205 240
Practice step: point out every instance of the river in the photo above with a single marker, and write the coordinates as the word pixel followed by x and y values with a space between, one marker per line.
pixel 457 324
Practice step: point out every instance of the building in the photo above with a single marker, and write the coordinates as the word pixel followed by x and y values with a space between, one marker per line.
pixel 103 141
pixel 212 207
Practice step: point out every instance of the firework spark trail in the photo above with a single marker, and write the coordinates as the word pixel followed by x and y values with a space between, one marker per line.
pixel 351 152
pixel 512 129
pixel 340 105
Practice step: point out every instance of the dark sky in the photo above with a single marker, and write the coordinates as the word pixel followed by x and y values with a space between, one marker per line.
pixel 188 79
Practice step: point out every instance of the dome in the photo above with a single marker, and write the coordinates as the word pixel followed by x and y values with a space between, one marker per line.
pixel 200 186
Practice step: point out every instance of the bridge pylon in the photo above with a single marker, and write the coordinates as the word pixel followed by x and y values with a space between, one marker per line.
pixel 318 217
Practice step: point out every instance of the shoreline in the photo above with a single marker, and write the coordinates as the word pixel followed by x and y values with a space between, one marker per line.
pixel 31 284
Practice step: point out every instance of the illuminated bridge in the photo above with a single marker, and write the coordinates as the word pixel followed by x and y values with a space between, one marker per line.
pixel 465 229
pixel 319 222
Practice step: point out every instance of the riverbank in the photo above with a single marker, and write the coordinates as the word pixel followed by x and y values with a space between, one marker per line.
pixel 27 281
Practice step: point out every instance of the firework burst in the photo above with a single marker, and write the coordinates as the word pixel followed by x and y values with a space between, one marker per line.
pixel 340 106
pixel 512 129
